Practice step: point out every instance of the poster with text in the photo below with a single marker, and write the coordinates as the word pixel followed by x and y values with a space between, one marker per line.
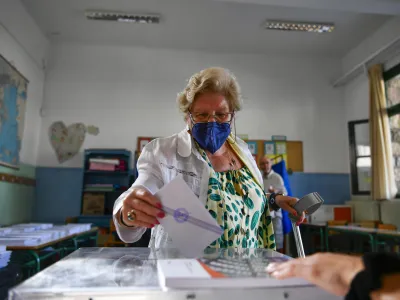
pixel 269 148
pixel 252 147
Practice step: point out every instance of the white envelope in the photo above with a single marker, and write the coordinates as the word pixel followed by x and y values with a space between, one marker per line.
pixel 187 221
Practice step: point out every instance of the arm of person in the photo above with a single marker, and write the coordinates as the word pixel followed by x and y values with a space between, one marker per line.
pixel 149 178
pixel 373 275
pixel 281 188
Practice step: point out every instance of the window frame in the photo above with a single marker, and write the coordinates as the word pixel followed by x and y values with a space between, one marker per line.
pixel 391 111
pixel 387 75
pixel 354 157
pixel 395 109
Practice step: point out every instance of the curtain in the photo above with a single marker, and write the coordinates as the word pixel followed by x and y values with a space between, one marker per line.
pixel 383 185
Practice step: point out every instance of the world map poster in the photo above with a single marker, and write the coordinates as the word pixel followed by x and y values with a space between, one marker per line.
pixel 13 94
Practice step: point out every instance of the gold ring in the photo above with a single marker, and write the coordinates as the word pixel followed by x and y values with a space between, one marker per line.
pixel 131 215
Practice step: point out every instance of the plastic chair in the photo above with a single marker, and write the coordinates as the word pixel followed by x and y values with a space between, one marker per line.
pixel 336 242
pixel 369 224
pixel 338 223
pixel 387 227
pixel 69 220
pixel 388 245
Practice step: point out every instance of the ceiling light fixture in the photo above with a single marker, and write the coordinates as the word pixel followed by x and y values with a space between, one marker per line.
pixel 123 17
pixel 299 26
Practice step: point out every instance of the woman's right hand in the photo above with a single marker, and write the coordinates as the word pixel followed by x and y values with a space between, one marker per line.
pixel 144 207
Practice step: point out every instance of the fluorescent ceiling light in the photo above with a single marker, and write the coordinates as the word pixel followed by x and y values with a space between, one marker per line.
pixel 299 26
pixel 123 17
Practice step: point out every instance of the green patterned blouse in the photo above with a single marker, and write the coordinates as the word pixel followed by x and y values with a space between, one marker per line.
pixel 237 202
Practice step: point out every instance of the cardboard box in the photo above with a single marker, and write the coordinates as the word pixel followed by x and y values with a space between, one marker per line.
pixel 93 204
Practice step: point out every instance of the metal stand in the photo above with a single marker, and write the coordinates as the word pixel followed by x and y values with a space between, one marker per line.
pixel 299 241
pixel 308 204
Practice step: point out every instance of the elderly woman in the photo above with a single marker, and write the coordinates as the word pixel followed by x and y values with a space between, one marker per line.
pixel 215 164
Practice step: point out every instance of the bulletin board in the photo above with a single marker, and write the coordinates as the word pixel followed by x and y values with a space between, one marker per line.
pixel 290 151
pixel 275 150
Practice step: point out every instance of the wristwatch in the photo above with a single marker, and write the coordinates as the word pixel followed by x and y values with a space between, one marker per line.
pixel 272 202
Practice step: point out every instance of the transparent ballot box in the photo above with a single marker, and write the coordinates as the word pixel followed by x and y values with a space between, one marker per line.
pixel 134 273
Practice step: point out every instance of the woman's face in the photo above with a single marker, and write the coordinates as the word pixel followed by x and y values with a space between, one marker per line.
pixel 210 104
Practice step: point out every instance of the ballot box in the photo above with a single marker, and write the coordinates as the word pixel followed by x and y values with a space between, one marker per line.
pixel 132 273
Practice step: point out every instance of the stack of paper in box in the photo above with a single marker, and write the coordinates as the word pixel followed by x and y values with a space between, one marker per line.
pixel 4 256
pixel 4 231
pixel 35 226
pixel 78 228
pixel 102 164
pixel 32 234
pixel 19 241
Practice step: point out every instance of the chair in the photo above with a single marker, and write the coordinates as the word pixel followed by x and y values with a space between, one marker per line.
pixel 338 223
pixel 112 239
pixel 73 244
pixel 369 223
pixel 387 227
pixel 336 240
pixel 388 245
pixel 69 220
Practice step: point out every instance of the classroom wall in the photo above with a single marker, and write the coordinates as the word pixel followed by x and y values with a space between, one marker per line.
pixel 22 43
pixel 130 91
pixel 16 200
pixel 356 95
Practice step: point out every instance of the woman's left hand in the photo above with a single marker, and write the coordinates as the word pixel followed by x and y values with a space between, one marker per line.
pixel 287 203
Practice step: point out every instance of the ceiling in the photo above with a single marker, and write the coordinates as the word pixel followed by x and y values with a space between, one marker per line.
pixel 215 25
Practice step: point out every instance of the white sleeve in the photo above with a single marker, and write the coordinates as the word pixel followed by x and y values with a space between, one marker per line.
pixel 150 178
pixel 282 185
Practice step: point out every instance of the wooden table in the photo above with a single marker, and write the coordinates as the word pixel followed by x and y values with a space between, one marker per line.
pixel 32 251
pixel 353 230
pixel 375 235
pixel 384 235
pixel 57 241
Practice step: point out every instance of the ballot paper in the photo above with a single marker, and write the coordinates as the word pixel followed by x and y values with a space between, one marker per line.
pixel 187 221
pixel 19 241
pixel 4 258
pixel 4 231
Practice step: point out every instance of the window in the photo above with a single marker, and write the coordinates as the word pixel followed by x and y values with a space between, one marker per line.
pixel 360 151
pixel 392 84
pixel 360 157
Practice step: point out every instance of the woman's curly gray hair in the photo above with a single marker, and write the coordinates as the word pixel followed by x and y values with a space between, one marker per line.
pixel 211 80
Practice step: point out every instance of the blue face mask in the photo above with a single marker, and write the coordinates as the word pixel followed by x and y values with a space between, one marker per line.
pixel 211 135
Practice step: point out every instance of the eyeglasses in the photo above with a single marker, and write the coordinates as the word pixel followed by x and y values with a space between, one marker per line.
pixel 204 117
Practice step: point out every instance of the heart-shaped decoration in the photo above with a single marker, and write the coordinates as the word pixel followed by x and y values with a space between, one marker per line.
pixel 66 141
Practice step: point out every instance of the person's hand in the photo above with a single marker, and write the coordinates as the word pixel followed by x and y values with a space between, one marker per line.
pixel 331 272
pixel 287 203
pixel 271 189
pixel 143 207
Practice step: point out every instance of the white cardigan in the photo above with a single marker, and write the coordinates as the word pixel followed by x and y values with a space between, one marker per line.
pixel 161 161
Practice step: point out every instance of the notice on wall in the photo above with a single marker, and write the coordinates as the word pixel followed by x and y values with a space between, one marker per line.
pixel 280 148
